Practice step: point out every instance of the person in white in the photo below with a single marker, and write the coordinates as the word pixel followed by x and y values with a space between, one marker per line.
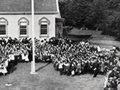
pixel 26 56
pixel 3 69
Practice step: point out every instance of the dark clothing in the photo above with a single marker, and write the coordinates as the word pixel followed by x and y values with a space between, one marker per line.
pixel 96 68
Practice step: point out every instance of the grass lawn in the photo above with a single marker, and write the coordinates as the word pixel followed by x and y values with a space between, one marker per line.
pixel 105 41
pixel 48 79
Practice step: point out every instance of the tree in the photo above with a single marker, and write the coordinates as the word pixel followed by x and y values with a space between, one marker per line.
pixel 95 14
pixel 74 11
pixel 113 17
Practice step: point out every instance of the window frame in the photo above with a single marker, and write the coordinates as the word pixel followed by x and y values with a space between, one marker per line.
pixel 3 29
pixel 3 21
pixel 42 28
pixel 23 35
pixel 23 20
pixel 44 21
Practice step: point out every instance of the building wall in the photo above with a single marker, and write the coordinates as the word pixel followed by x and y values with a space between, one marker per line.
pixel 13 27
pixel 51 26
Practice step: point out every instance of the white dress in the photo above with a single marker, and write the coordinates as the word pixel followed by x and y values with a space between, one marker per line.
pixel 3 69
pixel 6 63
pixel 26 58
pixel 105 82
pixel 23 57
pixel 60 65
pixel 98 48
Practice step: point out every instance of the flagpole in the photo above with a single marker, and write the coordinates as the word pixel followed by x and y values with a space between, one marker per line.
pixel 33 42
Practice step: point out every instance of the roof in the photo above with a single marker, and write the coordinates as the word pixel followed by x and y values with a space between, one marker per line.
pixel 77 32
pixel 24 6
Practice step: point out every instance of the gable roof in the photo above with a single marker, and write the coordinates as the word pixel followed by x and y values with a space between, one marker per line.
pixel 24 6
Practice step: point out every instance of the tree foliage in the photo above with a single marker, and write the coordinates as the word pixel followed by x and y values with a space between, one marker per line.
pixel 94 14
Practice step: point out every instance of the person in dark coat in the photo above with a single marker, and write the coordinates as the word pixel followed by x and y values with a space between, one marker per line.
pixel 95 68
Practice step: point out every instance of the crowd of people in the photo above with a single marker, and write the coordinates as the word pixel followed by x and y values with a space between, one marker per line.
pixel 80 58
pixel 68 58
pixel 112 79
pixel 13 51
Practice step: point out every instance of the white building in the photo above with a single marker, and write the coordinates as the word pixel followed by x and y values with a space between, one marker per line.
pixel 15 19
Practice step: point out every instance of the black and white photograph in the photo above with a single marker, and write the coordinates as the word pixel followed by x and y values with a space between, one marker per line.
pixel 59 44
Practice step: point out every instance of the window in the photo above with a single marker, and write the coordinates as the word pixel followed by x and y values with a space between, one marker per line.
pixel 2 29
pixel 23 26
pixel 3 26
pixel 43 29
pixel 23 30
pixel 44 23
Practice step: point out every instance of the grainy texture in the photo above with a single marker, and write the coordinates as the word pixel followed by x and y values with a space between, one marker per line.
pixel 25 5
pixel 48 79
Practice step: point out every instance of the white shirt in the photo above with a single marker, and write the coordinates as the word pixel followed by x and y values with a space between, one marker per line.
pixel 60 65
pixel 26 58
pixel 23 57
pixel 11 56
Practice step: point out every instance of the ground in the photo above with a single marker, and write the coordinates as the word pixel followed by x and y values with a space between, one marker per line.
pixel 48 79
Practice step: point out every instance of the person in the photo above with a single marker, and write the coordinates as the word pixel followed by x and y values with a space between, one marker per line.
pixel 72 68
pixel 3 69
pixel 112 83
pixel 105 83
pixel 96 68
pixel 60 67
pixel 26 56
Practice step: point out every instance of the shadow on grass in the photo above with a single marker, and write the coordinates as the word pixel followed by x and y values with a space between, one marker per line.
pixel 42 67
pixel 12 70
